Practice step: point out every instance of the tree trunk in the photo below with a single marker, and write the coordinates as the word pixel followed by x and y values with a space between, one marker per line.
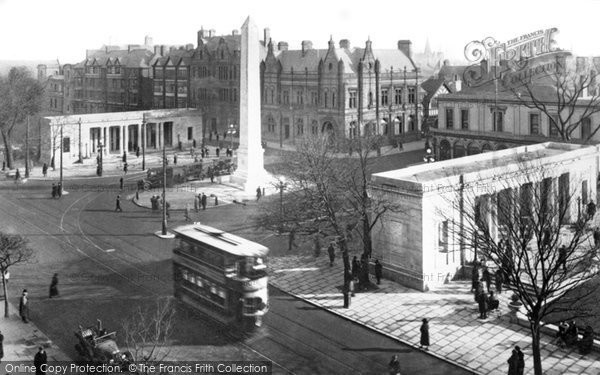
pixel 7 150
pixel 367 243
pixel 345 257
pixel 535 347
pixel 6 312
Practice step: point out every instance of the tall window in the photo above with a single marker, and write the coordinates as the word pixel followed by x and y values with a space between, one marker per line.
pixel 333 99
pixel 352 99
pixel 299 97
pixel 443 236
pixel 314 127
pixel 325 99
pixel 190 133
pixel 398 96
pixel 299 126
pixel 384 97
pixel 314 98
pixel 464 119
pixel 286 97
pixel 553 125
pixel 271 125
pixel 370 98
pixel 586 128
pixel 534 123
pixel 449 118
pixel 498 118
pixel 411 95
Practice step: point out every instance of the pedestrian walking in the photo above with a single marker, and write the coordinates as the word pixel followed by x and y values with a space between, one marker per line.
pixel 425 334
pixel 187 213
pixel 54 286
pixel 317 248
pixel 125 167
pixel 45 169
pixel 291 239
pixel 562 257
pixel 211 175
pixel 520 361
pixel 137 152
pixel 40 361
pixel 202 153
pixel 474 277
pixel 124 156
pixel 203 201
pixel 59 190
pixel 218 151
pixel 331 252
pixel 118 204
pixel 487 277
pixel 499 280
pixel 196 202
pixel 121 183
pixel 17 175
pixel 394 365
pixel 175 159
pixel 167 209
pixel 24 307
pixel 54 190
pixel 378 271
pixel 1 346
pixel 513 362
pixel 482 301
pixel 258 193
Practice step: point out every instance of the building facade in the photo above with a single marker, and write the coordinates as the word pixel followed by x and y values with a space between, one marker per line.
pixel 498 115
pixel 341 90
pixel 421 246
pixel 114 133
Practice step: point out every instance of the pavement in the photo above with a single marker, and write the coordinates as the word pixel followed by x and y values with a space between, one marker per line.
pixel 456 332
pixel 22 340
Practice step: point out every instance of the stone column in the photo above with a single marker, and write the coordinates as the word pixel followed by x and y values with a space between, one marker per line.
pixel 159 135
pixel 250 171
pixel 104 143
pixel 125 138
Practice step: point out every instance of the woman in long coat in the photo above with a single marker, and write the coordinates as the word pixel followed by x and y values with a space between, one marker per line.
pixel 54 286
pixel 513 362
pixel 425 334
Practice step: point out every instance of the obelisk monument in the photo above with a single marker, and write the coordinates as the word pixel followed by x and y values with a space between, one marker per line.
pixel 250 172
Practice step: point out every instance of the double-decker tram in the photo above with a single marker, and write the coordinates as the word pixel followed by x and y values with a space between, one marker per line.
pixel 221 275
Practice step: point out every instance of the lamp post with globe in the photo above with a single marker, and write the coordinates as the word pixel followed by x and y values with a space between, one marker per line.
pixel 429 157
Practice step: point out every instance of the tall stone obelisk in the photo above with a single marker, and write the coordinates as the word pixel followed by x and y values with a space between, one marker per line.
pixel 250 172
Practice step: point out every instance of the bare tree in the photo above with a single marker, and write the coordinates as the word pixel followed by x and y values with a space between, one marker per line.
pixel 327 193
pixel 147 331
pixel 568 98
pixel 14 249
pixel 20 95
pixel 526 227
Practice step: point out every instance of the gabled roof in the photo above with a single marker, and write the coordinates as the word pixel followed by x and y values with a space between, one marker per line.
pixel 138 58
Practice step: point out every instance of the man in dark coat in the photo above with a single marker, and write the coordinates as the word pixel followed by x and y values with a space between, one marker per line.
pixel 482 301
pixel 54 286
pixel 258 193
pixel 513 362
pixel 562 257
pixel 54 192
pixel 24 307
pixel 520 361
pixel 355 267
pixel 474 277
pixel 394 365
pixel 118 204
pixel 346 293
pixel 59 190
pixel 591 209
pixel 378 271
pixel 39 360
pixel 203 201
pixel 331 252
pixel 425 334
pixel 487 277
pixel 45 169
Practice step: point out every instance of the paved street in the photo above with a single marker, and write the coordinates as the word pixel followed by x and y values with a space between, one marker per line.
pixel 110 263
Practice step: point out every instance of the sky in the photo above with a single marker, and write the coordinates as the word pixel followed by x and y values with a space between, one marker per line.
pixel 64 29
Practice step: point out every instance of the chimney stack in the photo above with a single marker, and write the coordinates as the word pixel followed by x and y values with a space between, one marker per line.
pixel 157 50
pixel 345 43
pixel 148 41
pixel 306 45
pixel 405 47
pixel 235 32
pixel 212 33
pixel 282 46
pixel 189 46
pixel 267 36
pixel 163 50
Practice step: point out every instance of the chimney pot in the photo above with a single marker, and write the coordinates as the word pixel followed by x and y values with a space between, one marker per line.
pixel 306 45
pixel 234 32
pixel 405 47
pixel 282 46
pixel 148 40
pixel 267 36
pixel 345 43
pixel 212 33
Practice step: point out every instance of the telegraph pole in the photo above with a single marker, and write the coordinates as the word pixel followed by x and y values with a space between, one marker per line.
pixel 164 193
pixel 80 160
pixel 27 149
pixel 143 141
pixel 60 185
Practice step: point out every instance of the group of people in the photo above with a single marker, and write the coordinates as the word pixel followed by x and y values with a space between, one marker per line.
pixel 57 190
pixel 200 200
pixel 156 201
pixel 568 335
pixel 481 286
pixel 360 271
pixel 516 362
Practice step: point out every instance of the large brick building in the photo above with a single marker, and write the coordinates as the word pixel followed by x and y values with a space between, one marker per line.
pixel 343 90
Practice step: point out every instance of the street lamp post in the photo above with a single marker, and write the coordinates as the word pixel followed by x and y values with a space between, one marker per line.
pixel 429 157
pixel 27 149
pixel 99 167
pixel 281 185
pixel 144 141
pixel 231 132
pixel 60 184
pixel 80 159
pixel 164 192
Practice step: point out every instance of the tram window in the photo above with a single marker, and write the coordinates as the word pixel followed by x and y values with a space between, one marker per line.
pixel 199 282
pixel 184 274
pixel 192 278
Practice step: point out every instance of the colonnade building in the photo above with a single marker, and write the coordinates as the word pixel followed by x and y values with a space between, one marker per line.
pixel 421 245
pixel 118 132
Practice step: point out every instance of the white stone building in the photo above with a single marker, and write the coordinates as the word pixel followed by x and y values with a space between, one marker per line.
pixel 420 246
pixel 117 132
